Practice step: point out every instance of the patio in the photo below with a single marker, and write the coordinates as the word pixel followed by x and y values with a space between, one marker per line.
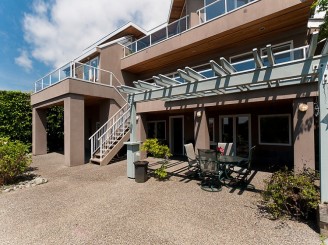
pixel 89 204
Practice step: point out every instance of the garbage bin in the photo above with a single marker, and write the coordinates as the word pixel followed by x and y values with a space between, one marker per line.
pixel 141 168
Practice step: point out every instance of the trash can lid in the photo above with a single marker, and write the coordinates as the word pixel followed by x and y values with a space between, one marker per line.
pixel 141 163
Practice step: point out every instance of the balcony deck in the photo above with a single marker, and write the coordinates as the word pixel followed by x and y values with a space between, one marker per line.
pixel 256 22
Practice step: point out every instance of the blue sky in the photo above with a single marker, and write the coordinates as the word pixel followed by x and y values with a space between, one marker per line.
pixel 37 36
pixel 13 76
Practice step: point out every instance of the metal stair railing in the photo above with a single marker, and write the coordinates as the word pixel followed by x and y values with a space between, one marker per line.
pixel 95 142
pixel 113 134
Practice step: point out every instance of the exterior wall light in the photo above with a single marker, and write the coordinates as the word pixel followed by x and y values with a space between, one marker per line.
pixel 199 114
pixel 303 107
pixel 137 118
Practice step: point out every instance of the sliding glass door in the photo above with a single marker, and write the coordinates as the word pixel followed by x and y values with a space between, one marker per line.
pixel 236 129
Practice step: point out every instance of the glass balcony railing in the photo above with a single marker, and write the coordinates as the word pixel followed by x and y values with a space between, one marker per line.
pixel 169 31
pixel 249 64
pixel 76 70
pixel 205 14
pixel 218 8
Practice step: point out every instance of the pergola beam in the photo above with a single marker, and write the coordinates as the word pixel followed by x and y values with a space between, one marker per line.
pixel 194 74
pixel 218 70
pixel 130 90
pixel 270 55
pixel 185 76
pixel 257 58
pixel 227 66
pixel 313 44
pixel 145 85
pixel 288 74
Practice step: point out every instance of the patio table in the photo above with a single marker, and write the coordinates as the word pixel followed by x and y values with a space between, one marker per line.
pixel 225 162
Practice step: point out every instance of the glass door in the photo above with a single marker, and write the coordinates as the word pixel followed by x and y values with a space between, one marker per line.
pixel 236 129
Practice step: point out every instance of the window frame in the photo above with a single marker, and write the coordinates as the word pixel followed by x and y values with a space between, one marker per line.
pixel 157 121
pixel 289 129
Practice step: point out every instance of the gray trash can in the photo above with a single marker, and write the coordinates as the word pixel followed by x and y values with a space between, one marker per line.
pixel 141 168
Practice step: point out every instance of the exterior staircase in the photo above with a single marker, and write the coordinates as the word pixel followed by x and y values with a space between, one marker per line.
pixel 109 138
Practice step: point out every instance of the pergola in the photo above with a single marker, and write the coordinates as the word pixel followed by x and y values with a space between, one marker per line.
pixel 307 69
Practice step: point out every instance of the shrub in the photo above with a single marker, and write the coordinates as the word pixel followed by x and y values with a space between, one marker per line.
pixel 158 150
pixel 294 195
pixel 14 159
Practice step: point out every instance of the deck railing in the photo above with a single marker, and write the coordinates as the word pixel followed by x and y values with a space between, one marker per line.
pixel 218 8
pixel 205 14
pixel 160 35
pixel 76 70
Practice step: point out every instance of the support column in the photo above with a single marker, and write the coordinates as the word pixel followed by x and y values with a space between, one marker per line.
pixel 141 124
pixel 303 128
pixel 74 130
pixel 323 129
pixel 39 133
pixel 132 146
pixel 202 137
pixel 323 145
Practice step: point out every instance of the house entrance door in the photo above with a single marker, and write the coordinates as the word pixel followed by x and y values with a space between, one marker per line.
pixel 236 129
pixel 176 135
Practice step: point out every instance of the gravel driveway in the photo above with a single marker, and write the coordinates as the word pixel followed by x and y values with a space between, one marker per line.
pixel 90 204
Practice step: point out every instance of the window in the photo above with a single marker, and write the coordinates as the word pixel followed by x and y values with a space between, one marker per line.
pixel 279 58
pixel 243 62
pixel 90 70
pixel 274 129
pixel 156 129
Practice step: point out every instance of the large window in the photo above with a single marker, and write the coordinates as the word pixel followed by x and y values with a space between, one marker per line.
pixel 90 70
pixel 275 129
pixel 156 129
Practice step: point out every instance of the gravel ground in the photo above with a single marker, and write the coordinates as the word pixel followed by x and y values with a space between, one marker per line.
pixel 90 204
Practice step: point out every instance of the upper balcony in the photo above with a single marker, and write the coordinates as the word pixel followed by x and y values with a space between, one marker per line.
pixel 213 29
pixel 78 71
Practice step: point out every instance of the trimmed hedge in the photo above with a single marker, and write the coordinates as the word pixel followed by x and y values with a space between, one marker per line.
pixel 16 120
pixel 16 116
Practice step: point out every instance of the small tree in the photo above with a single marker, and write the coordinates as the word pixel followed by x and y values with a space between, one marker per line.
pixel 158 150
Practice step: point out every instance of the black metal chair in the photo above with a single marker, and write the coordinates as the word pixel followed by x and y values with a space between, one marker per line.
pixel 243 170
pixel 209 170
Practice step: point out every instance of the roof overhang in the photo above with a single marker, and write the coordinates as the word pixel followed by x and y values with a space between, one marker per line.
pixel 175 10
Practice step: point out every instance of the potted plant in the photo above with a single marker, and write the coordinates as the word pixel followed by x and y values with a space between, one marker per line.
pixel 158 150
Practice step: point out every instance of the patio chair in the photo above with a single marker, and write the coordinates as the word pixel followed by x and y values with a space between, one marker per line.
pixel 191 155
pixel 209 170
pixel 228 148
pixel 243 170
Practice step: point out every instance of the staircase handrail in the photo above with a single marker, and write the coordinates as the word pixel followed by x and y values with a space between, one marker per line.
pixel 119 124
pixel 95 143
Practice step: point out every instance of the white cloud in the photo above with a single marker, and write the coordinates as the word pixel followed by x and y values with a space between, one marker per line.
pixel 24 61
pixel 58 32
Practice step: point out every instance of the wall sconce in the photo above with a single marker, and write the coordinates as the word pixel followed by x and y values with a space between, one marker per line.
pixel 137 118
pixel 303 107
pixel 199 114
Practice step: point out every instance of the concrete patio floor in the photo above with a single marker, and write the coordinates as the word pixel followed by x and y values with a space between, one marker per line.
pixel 90 204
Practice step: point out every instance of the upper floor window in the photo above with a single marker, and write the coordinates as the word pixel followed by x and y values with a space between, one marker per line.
pixel 90 69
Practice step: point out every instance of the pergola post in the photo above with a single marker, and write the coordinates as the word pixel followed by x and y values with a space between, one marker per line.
pixel 133 145
pixel 323 144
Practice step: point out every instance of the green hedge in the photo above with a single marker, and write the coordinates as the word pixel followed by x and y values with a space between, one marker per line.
pixel 16 116
pixel 16 120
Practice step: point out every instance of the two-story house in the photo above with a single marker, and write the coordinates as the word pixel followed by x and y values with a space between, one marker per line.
pixel 241 71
